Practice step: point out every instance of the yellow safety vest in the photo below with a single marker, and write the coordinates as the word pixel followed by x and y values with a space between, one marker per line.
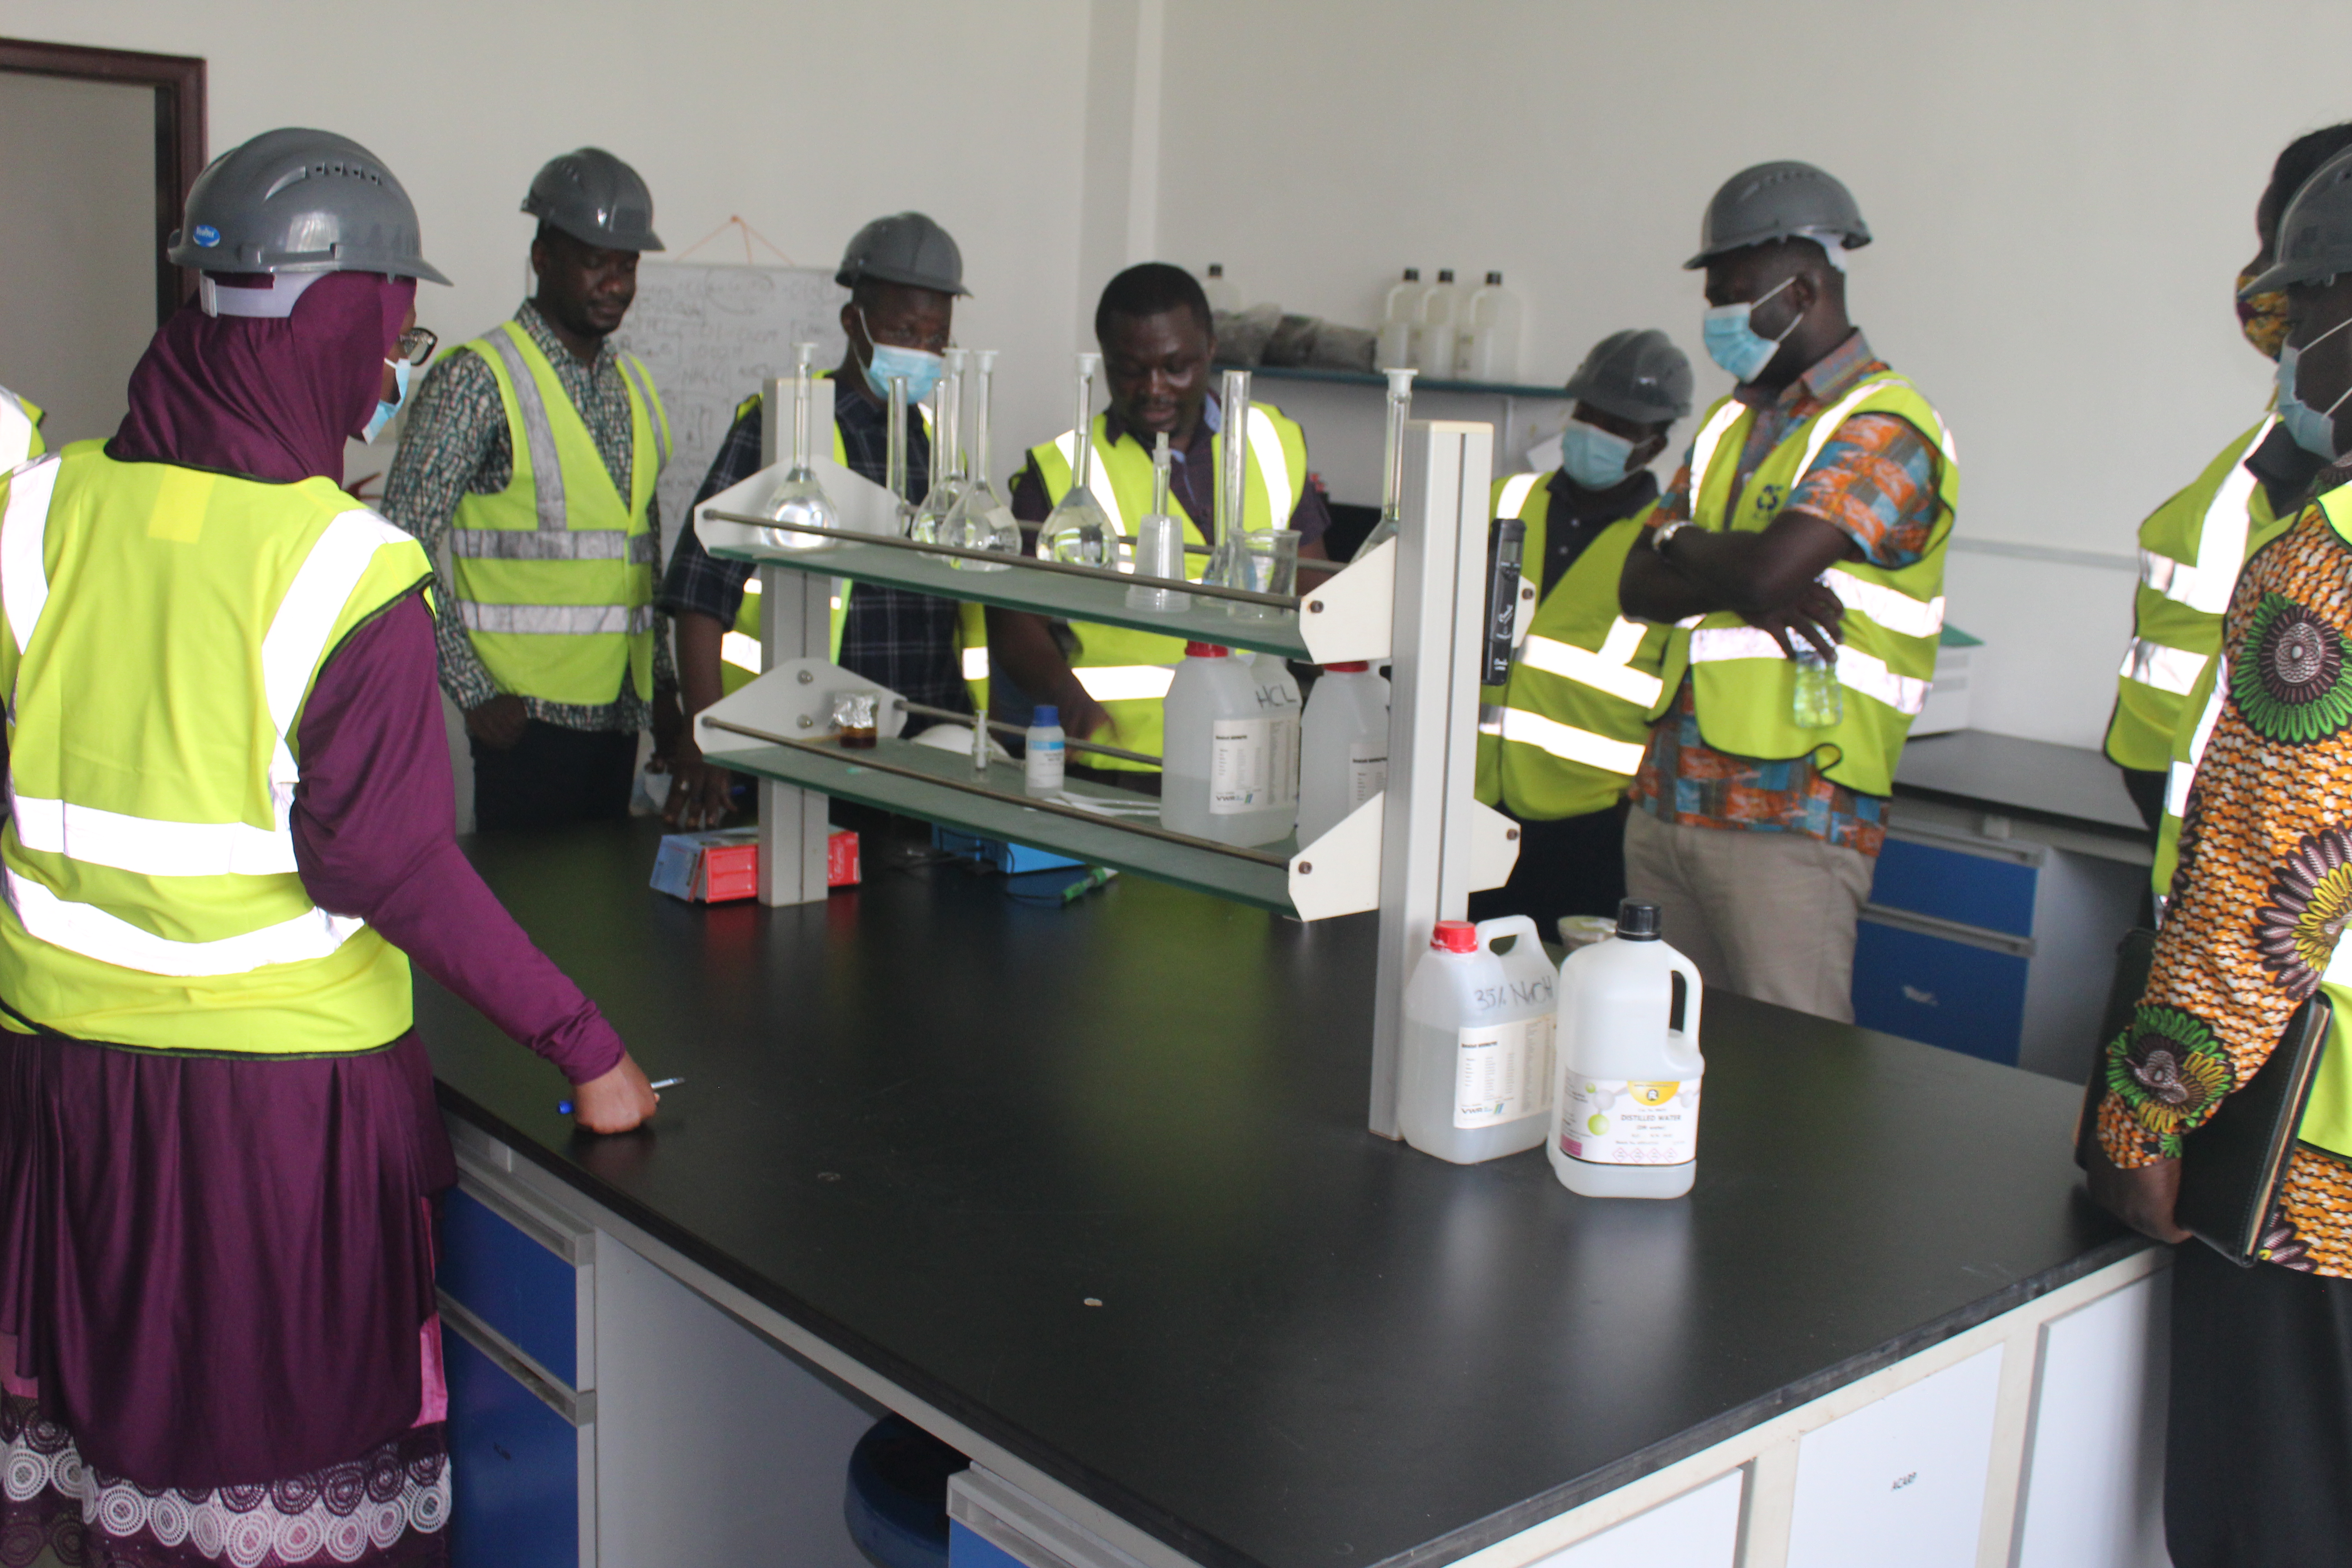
pixel 1745 685
pixel 20 430
pixel 1564 734
pixel 1128 671
pixel 555 574
pixel 2190 549
pixel 164 626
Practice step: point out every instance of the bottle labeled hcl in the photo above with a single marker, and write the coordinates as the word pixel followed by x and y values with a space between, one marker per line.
pixel 1625 1108
pixel 1477 1076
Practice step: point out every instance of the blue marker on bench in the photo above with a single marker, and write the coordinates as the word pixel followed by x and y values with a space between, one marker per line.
pixel 563 1106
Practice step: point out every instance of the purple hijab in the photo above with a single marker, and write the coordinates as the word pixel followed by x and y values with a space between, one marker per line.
pixel 272 399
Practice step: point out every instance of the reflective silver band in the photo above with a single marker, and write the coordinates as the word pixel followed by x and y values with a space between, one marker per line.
pixel 567 544
pixel 640 384
pixel 565 620
pixel 546 465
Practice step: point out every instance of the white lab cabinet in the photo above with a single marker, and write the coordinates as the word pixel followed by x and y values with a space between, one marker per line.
pixel 1901 1480
pixel 1697 1529
pixel 2094 1474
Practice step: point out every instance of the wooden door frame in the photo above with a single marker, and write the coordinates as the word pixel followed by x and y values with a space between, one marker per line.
pixel 179 84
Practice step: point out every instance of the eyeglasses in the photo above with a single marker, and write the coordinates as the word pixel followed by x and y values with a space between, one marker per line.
pixel 417 345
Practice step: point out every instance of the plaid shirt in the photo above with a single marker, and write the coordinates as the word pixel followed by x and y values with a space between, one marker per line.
pixel 908 642
pixel 454 442
pixel 1874 479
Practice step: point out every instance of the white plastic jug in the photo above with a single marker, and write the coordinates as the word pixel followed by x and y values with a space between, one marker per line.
pixel 1398 319
pixel 1223 293
pixel 1344 747
pixel 1476 1077
pixel 1624 1116
pixel 1487 348
pixel 1229 766
pixel 1435 328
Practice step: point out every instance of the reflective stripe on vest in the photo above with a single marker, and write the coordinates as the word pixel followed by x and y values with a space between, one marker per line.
pixel 24 575
pixel 2183 774
pixel 1856 671
pixel 1605 669
pixel 1098 485
pixel 556 620
pixel 1568 743
pixel 571 544
pixel 2220 546
pixel 18 436
pixel 2173 669
pixel 89 931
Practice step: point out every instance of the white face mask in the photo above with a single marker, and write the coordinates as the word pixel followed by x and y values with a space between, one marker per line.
pixel 1738 347
pixel 385 411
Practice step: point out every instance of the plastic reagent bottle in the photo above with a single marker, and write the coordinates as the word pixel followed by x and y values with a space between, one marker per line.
pixel 1078 531
pixel 1488 347
pixel 1625 1109
pixel 1223 293
pixel 1160 543
pixel 1397 315
pixel 1817 704
pixel 1229 770
pixel 1476 1077
pixel 1392 464
pixel 800 498
pixel 1438 322
pixel 1041 767
pixel 946 455
pixel 1343 748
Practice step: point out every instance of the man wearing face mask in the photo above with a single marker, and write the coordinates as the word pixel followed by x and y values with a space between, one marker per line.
pixel 2191 547
pixel 1804 537
pixel 535 449
pixel 2261 1369
pixel 1561 739
pixel 904 274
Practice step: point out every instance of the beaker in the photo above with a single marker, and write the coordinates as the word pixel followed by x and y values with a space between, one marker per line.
pixel 800 498
pixel 1268 563
pixel 853 716
pixel 981 521
pixel 1392 465
pixel 1160 543
pixel 946 455
pixel 1078 530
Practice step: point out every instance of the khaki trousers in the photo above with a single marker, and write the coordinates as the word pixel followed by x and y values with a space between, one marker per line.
pixel 1770 915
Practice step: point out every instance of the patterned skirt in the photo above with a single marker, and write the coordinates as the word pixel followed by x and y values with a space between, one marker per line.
pixel 217 1334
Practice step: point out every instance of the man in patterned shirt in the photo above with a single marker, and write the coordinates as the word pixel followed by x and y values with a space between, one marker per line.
pixel 1811 512
pixel 2260 1441
pixel 550 644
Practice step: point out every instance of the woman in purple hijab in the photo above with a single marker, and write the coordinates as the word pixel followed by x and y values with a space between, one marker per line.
pixel 219 1153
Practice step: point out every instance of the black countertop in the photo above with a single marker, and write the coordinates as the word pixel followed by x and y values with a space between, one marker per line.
pixel 2071 786
pixel 928 1123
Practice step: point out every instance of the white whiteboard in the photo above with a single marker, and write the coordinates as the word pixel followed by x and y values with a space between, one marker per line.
pixel 710 335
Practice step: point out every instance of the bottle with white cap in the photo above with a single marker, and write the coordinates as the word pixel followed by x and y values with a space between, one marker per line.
pixel 1344 751
pixel 1401 313
pixel 1475 1079
pixel 1438 326
pixel 1625 1109
pixel 1488 346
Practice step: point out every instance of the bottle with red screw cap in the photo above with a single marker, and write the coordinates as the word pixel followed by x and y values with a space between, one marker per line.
pixel 1475 1072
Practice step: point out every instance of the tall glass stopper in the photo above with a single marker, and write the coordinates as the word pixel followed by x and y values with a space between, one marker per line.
pixel 895 473
pixel 981 521
pixel 1078 530
pixel 947 454
pixel 800 498
pixel 1160 542
pixel 1233 474
pixel 1392 468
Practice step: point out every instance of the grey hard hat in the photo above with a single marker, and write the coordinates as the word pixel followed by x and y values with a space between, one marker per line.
pixel 596 199
pixel 300 201
pixel 1636 374
pixel 1778 201
pixel 905 248
pixel 2315 232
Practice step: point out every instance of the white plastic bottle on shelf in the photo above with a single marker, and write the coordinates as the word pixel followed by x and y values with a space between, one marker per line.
pixel 1488 346
pixel 1625 1109
pixel 1042 759
pixel 1438 326
pixel 1229 767
pixel 1477 1075
pixel 1223 292
pixel 1394 350
pixel 1344 747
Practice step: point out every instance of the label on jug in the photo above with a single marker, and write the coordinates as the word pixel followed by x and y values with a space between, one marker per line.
pixel 1615 1121
pixel 1253 765
pixel 1368 770
pixel 1502 1072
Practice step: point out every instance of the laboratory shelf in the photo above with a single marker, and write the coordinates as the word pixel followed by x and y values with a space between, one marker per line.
pixel 1041 592
pixel 1375 379
pixel 1259 876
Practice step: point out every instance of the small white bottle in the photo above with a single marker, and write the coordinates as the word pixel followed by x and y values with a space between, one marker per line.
pixel 1042 762
pixel 1476 1078
pixel 1223 293
pixel 1394 350
pixel 1229 766
pixel 1436 327
pixel 1488 347
pixel 1624 1116
pixel 1343 747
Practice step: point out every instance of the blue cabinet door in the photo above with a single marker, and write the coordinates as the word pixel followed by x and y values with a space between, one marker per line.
pixel 510 1282
pixel 1993 894
pixel 514 1469
pixel 1932 988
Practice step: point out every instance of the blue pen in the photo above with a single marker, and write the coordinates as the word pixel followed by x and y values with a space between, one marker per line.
pixel 563 1106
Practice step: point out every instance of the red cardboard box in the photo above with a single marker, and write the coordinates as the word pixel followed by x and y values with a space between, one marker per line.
pixel 715 867
pixel 840 866
pixel 728 871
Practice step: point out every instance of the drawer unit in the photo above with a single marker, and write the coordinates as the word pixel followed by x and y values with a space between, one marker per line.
pixel 1944 987
pixel 1965 886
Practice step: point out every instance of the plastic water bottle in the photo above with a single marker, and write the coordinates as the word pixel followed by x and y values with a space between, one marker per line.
pixel 1624 1116
pixel 1438 326
pixel 1818 704
pixel 1476 1078
pixel 1394 350
pixel 1344 747
pixel 1223 293
pixel 1042 759
pixel 1229 767
pixel 1489 345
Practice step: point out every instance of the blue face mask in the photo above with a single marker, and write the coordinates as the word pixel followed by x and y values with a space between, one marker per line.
pixel 385 411
pixel 922 369
pixel 1739 348
pixel 1593 456
pixel 2313 430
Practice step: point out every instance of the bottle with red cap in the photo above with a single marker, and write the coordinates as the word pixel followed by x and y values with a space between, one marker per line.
pixel 1474 1076
pixel 1229 748
pixel 1344 747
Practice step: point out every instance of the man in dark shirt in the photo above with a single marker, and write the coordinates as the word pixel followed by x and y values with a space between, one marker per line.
pixel 904 273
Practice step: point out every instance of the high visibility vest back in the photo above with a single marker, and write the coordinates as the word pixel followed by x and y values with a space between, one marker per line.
pixel 555 574
pixel 1128 671
pixel 1564 734
pixel 164 626
pixel 1745 685
pixel 2190 549
pixel 20 430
